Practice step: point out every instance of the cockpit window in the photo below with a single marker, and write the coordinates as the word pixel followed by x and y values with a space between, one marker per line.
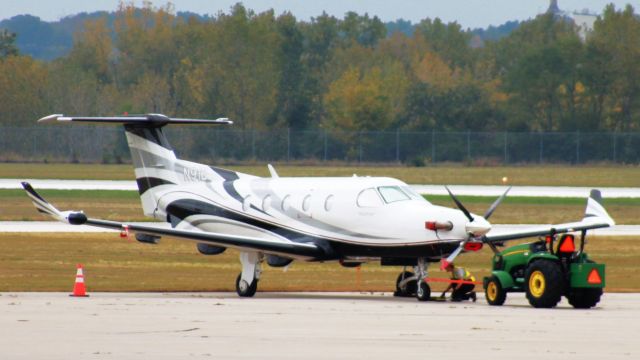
pixel 414 195
pixel 368 198
pixel 392 194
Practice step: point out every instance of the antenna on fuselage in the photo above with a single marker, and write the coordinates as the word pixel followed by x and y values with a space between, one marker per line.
pixel 272 171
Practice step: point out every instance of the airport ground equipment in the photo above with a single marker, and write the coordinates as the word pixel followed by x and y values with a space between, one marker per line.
pixel 546 272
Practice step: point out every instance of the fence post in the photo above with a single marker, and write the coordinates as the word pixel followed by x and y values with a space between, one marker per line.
pixel 541 145
pixel 615 155
pixel 253 143
pixel 288 144
pixel 359 146
pixel 468 144
pixel 397 145
pixel 325 144
pixel 433 146
pixel 578 147
pixel 506 160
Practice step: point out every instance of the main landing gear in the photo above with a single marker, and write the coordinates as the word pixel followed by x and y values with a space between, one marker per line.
pixel 247 280
pixel 412 283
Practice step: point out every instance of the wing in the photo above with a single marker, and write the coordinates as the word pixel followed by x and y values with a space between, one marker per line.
pixel 595 217
pixel 284 247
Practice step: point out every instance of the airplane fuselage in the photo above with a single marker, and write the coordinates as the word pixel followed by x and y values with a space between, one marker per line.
pixel 356 217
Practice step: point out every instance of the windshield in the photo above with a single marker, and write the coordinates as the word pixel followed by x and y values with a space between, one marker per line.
pixel 414 195
pixel 392 194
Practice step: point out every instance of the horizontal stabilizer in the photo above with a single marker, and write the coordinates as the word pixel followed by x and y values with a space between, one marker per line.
pixel 155 120
pixel 595 217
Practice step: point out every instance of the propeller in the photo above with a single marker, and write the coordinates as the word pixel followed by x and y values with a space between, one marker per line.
pixel 459 205
pixel 495 204
pixel 470 235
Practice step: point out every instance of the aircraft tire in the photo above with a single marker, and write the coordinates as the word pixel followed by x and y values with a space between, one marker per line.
pixel 409 289
pixel 245 290
pixel 424 292
pixel 544 284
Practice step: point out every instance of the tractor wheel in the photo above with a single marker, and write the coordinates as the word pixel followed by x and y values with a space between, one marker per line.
pixel 544 284
pixel 246 290
pixel 409 289
pixel 584 298
pixel 424 292
pixel 493 292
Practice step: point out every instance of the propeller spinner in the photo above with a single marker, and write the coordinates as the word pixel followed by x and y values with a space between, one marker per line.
pixel 475 228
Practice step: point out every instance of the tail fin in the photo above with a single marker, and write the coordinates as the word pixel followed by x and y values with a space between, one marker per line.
pixel 153 157
pixel 595 211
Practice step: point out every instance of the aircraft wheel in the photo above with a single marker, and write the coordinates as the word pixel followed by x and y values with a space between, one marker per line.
pixel 409 289
pixel 424 292
pixel 244 289
pixel 584 298
pixel 494 293
pixel 544 284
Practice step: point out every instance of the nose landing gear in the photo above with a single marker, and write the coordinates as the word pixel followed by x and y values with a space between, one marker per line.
pixel 412 283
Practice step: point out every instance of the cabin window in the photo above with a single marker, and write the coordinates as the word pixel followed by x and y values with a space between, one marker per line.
pixel 306 203
pixel 266 203
pixel 392 194
pixel 246 203
pixel 285 203
pixel 328 203
pixel 368 198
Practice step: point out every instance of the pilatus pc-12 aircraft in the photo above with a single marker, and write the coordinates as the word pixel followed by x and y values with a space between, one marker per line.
pixel 349 220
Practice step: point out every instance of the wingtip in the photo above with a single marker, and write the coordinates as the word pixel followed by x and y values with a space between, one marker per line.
pixel 50 118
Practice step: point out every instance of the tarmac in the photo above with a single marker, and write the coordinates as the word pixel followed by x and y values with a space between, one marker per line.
pixel 309 326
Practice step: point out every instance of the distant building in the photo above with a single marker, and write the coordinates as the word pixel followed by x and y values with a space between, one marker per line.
pixel 553 8
pixel 584 20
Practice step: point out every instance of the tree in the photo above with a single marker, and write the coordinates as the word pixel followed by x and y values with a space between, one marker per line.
pixel 615 40
pixel 7 44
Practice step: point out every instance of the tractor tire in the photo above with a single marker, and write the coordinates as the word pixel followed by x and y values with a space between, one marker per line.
pixel 544 284
pixel 409 289
pixel 494 293
pixel 246 290
pixel 424 292
pixel 584 298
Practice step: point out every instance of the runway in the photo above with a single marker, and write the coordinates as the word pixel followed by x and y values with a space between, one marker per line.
pixel 55 226
pixel 462 190
pixel 310 326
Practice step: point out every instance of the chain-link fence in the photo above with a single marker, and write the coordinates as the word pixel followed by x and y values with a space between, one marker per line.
pixel 214 145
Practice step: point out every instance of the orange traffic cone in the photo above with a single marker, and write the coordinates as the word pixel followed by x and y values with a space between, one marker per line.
pixel 79 289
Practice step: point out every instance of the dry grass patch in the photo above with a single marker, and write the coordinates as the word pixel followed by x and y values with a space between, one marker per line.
pixel 46 262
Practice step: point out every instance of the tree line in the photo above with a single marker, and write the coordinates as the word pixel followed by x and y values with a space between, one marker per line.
pixel 274 71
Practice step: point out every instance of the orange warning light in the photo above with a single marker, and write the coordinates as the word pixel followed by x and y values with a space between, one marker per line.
pixel 594 277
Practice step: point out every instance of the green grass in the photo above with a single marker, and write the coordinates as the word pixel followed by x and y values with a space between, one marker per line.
pixel 125 206
pixel 549 175
pixel 46 262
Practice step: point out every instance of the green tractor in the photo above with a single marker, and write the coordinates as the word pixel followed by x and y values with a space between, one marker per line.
pixel 546 273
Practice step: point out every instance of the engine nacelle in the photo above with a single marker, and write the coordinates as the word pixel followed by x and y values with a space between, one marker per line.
pixel 278 261
pixel 206 249
pixel 147 239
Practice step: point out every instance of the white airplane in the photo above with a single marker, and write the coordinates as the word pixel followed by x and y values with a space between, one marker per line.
pixel 349 220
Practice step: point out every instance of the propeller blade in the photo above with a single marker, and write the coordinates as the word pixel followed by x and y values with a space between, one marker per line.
pixel 495 204
pixel 459 205
pixel 453 255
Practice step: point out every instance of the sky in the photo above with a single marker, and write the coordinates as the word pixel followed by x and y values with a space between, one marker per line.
pixel 468 13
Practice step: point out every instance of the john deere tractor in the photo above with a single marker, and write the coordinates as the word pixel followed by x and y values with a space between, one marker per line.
pixel 546 272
